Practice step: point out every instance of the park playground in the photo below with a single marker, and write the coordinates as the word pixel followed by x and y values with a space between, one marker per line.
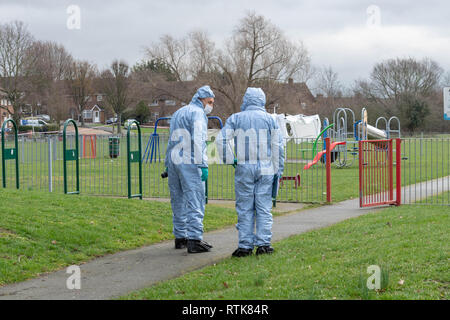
pixel 131 165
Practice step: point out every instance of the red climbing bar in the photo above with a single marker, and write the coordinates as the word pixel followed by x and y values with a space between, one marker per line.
pixel 398 171
pixel 328 168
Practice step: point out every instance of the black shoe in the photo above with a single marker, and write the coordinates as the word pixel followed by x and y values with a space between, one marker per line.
pixel 264 250
pixel 197 246
pixel 241 252
pixel 180 243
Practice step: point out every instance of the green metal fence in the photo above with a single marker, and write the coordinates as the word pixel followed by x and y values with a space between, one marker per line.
pixel 10 153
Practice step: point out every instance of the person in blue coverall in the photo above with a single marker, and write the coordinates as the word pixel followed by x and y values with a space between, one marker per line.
pixel 259 161
pixel 187 168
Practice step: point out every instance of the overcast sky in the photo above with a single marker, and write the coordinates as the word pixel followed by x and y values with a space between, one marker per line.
pixel 344 34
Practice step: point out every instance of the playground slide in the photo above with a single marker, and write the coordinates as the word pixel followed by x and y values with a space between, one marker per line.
pixel 375 132
pixel 320 154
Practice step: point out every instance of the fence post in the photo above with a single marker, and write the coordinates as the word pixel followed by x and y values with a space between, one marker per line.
pixel 10 153
pixel 328 168
pixel 71 155
pixel 50 164
pixel 55 148
pixel 134 156
pixel 398 171
pixel 361 171
pixel 23 149
pixel 391 170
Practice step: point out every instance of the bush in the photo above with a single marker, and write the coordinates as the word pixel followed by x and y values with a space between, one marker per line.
pixel 46 128
pixel 142 112
pixel 25 128
pixel 52 127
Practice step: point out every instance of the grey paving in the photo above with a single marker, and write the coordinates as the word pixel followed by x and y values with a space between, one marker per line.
pixel 117 274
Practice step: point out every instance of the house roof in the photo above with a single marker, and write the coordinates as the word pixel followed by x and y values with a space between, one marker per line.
pixel 89 108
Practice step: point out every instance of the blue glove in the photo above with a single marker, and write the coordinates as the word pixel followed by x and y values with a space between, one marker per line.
pixel 234 163
pixel 204 174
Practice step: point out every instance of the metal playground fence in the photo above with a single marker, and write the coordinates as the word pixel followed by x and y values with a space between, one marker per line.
pixel 111 165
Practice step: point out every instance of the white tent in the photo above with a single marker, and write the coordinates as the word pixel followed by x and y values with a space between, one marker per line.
pixel 300 126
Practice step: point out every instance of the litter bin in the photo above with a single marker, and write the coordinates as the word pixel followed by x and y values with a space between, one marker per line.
pixel 114 143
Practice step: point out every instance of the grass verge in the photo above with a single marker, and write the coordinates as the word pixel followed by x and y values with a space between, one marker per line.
pixel 42 232
pixel 409 243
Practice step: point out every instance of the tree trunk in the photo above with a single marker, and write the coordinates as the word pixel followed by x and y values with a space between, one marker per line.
pixel 82 119
pixel 119 121
pixel 16 115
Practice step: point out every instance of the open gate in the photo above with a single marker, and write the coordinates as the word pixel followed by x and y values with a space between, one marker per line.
pixel 376 173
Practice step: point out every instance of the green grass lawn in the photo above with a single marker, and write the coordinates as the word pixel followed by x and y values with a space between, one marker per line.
pixel 42 232
pixel 409 243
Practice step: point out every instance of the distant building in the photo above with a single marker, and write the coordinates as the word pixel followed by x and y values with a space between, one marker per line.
pixel 94 114
pixel 6 109
pixel 291 98
pixel 166 97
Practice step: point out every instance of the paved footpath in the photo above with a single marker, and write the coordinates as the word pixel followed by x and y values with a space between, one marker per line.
pixel 118 274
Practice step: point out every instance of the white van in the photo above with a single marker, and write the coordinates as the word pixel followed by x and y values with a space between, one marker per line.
pixel 33 122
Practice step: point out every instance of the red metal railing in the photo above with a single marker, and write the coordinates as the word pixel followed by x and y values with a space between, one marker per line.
pixel 328 168
pixel 376 173
pixel 90 146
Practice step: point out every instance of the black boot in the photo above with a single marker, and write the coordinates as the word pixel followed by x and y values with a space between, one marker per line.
pixel 180 243
pixel 197 246
pixel 264 250
pixel 241 252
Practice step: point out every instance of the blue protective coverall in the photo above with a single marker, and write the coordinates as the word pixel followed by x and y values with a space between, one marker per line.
pixel 185 156
pixel 260 155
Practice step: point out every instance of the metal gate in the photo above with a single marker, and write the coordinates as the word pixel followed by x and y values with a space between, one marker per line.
pixel 376 173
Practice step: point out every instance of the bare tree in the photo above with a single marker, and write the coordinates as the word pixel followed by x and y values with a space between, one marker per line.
pixel 174 53
pixel 80 84
pixel 446 79
pixel 402 86
pixel 52 65
pixel 202 54
pixel 116 85
pixel 259 54
pixel 262 52
pixel 392 79
pixel 15 62
pixel 327 83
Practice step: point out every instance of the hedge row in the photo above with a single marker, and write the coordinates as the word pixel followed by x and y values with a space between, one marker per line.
pixel 46 128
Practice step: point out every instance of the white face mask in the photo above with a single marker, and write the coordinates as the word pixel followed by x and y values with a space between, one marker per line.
pixel 208 109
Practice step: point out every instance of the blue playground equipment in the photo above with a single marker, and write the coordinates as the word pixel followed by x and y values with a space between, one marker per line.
pixel 153 144
pixel 152 150
pixel 217 118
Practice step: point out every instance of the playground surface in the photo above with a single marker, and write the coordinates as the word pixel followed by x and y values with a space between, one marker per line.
pixel 118 274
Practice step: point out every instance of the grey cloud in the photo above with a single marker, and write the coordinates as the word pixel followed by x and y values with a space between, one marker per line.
pixel 120 29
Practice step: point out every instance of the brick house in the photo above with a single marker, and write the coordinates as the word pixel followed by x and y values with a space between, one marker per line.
pixel 166 97
pixel 93 112
pixel 291 98
pixel 6 109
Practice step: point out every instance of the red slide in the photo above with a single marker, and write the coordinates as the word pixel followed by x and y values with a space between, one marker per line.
pixel 320 154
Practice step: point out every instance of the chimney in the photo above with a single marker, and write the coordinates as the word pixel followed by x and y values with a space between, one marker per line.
pixel 291 81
